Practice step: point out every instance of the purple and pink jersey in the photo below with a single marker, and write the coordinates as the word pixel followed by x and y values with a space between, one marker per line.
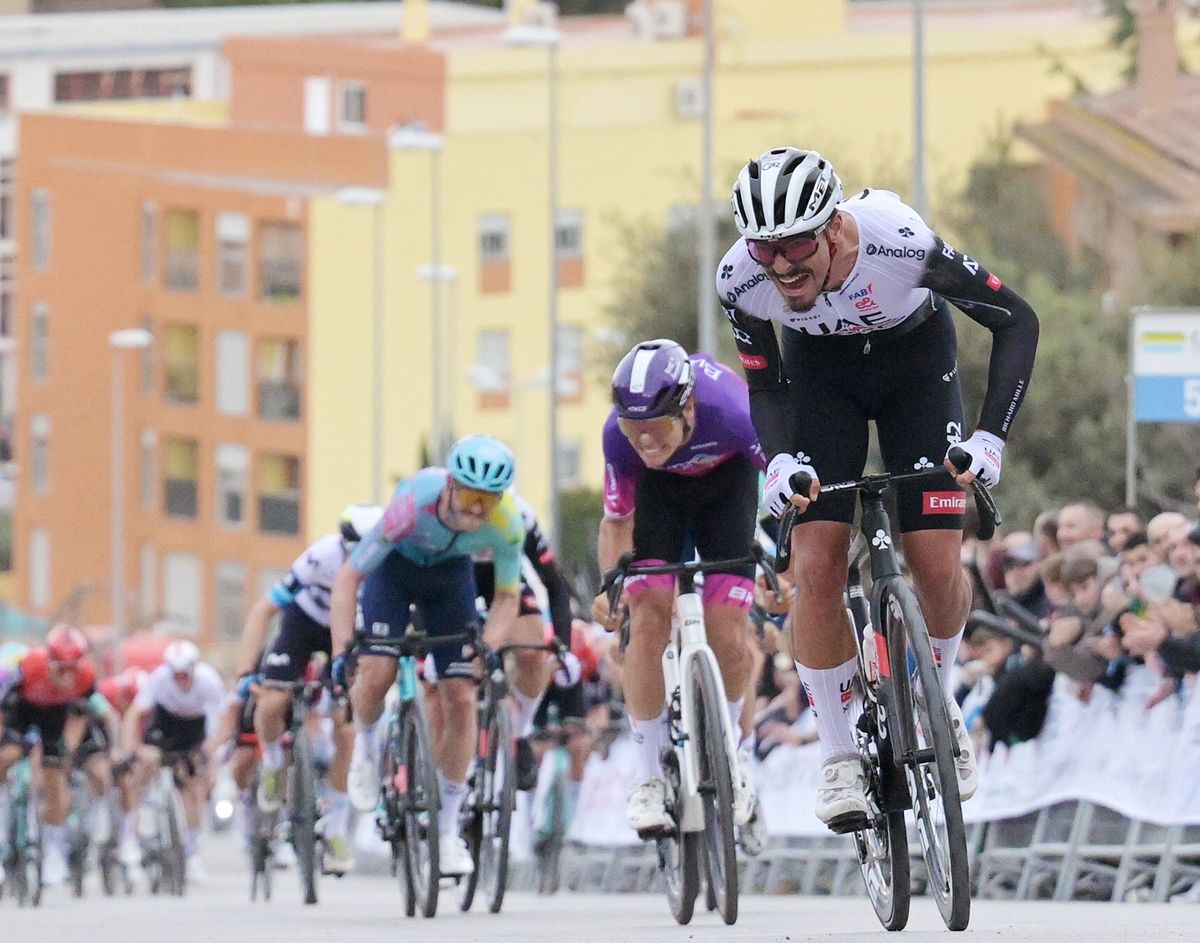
pixel 723 429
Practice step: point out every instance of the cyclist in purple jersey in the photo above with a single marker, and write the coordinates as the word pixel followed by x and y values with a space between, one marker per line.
pixel 681 469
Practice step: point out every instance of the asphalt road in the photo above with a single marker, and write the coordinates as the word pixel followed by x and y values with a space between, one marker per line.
pixel 366 908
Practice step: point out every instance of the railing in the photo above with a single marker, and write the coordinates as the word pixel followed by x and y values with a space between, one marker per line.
pixel 279 514
pixel 180 496
pixel 278 400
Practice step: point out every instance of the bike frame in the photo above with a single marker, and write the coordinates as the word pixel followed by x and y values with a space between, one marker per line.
pixel 688 642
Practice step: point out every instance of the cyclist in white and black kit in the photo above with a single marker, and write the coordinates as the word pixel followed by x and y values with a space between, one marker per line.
pixel 859 287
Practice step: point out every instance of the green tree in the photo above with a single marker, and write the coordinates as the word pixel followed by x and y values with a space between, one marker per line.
pixel 580 513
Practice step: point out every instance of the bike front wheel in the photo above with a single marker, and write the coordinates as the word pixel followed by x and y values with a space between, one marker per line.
pixel 499 796
pixel 304 815
pixel 715 787
pixel 930 768
pixel 420 799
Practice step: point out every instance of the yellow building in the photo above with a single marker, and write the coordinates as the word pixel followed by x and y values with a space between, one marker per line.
pixel 413 170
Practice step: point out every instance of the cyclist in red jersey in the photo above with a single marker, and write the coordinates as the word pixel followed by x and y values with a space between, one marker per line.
pixel 55 682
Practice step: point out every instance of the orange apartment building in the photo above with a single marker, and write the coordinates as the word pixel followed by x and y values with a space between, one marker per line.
pixel 197 234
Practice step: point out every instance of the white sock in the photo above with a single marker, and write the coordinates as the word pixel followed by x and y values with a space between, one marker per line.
pixel 649 735
pixel 364 739
pixel 452 793
pixel 830 694
pixel 337 821
pixel 526 710
pixel 55 837
pixel 192 843
pixel 272 755
pixel 945 650
pixel 735 717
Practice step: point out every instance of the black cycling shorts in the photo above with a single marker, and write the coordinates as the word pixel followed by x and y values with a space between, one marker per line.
pixel 909 386
pixel 20 717
pixel 300 636
pixel 174 734
pixel 485 588
pixel 713 513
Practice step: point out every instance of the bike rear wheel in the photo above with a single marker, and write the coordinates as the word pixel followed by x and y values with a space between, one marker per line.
pixel 932 777
pixel 470 824
pixel 679 851
pixel 303 798
pixel 420 804
pixel 173 843
pixel 715 788
pixel 499 798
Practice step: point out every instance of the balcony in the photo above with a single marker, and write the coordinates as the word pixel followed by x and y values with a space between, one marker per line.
pixel 180 497
pixel 278 400
pixel 279 513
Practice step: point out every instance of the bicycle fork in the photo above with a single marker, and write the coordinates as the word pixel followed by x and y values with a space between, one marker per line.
pixel 689 640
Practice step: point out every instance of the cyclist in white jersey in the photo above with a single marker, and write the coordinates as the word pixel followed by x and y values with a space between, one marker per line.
pixel 183 698
pixel 302 598
pixel 859 288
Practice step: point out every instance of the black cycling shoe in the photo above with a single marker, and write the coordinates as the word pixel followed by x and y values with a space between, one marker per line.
pixel 526 765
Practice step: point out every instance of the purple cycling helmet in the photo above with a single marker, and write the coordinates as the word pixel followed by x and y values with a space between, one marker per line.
pixel 654 379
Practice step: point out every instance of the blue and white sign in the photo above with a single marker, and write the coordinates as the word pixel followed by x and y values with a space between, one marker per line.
pixel 1166 366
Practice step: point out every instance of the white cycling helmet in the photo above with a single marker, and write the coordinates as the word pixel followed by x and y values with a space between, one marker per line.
pixel 357 521
pixel 784 192
pixel 181 655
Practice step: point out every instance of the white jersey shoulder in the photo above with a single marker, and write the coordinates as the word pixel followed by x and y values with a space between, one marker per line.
pixel 882 290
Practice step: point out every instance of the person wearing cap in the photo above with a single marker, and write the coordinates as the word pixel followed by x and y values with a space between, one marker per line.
pixel 681 463
pixel 1023 579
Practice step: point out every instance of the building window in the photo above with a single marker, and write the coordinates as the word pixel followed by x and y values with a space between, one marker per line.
pixel 181 363
pixel 352 106
pixel 279 494
pixel 229 600
pixel 266 579
pixel 148 468
pixel 280 261
pixel 6 196
pixel 570 362
pixel 233 373
pixel 149 583
pixel 570 464
pixel 39 454
pixel 120 84
pixel 491 375
pixel 146 358
pixel 495 270
pixel 181 460
pixel 148 240
pixel 182 262
pixel 183 579
pixel 39 341
pixel 6 295
pixel 493 238
pixel 233 237
pixel 233 474
pixel 39 568
pixel 568 248
pixel 279 379
pixel 39 231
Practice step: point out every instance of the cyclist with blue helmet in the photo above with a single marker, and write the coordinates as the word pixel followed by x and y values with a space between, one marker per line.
pixel 681 470
pixel 420 554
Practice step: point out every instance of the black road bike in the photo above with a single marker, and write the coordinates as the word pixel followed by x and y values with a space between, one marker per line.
pixel 903 725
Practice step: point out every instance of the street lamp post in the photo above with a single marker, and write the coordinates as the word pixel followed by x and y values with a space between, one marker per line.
pixel 370 197
pixel 920 198
pixel 420 138
pixel 444 377
pixel 129 339
pixel 549 39
pixel 706 329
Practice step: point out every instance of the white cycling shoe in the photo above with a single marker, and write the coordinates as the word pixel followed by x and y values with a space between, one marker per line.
pixel 646 811
pixel 964 763
pixel 453 857
pixel 743 789
pixel 842 794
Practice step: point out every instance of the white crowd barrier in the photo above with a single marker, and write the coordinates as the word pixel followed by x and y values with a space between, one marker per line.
pixel 1110 751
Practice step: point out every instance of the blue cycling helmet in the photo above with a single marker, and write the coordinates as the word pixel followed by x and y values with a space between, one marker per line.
pixel 482 462
pixel 654 379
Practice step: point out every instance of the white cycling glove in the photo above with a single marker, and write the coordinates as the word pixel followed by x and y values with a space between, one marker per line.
pixel 985 450
pixel 569 672
pixel 778 488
